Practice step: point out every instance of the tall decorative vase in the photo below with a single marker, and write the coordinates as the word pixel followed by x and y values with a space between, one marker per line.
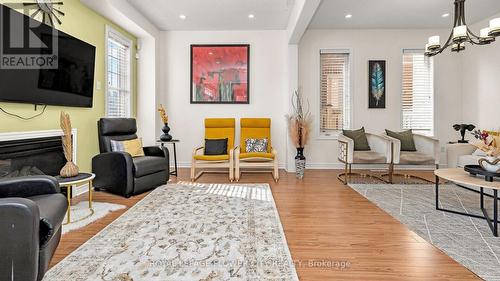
pixel 165 136
pixel 300 163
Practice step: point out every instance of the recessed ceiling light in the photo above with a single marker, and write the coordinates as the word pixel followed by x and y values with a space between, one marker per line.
pixel 445 15
pixel 251 16
pixel 182 17
pixel 348 16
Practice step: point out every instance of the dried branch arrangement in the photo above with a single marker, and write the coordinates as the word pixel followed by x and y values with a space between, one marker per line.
pixel 70 169
pixel 299 121
pixel 163 114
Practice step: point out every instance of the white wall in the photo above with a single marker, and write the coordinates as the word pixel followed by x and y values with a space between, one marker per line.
pixel 268 85
pixel 376 45
pixel 481 83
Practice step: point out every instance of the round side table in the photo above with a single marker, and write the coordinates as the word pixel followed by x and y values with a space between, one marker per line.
pixel 69 183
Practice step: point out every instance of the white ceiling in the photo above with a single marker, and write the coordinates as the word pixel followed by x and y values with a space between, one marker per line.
pixel 216 14
pixel 405 14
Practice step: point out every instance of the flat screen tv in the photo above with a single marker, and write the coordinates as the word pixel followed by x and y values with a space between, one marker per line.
pixel 43 66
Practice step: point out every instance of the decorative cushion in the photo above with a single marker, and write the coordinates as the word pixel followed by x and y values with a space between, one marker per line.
pixel 255 145
pixel 406 138
pixel 215 146
pixel 132 147
pixel 148 165
pixel 359 138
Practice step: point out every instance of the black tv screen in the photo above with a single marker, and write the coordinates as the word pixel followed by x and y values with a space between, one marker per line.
pixel 41 65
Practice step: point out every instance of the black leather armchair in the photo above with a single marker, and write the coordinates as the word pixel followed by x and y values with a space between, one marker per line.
pixel 31 215
pixel 118 172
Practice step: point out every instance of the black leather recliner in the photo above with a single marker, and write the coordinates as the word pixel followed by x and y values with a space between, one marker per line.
pixel 118 172
pixel 31 213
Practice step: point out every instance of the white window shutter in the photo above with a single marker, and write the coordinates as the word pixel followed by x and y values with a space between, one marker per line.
pixel 334 92
pixel 417 99
pixel 118 75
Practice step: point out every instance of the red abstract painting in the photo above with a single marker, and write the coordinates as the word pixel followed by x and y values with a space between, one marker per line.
pixel 219 73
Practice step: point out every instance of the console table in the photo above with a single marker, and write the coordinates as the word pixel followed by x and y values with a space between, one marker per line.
pixel 462 179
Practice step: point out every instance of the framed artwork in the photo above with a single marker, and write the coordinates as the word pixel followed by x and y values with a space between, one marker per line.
pixel 376 84
pixel 220 74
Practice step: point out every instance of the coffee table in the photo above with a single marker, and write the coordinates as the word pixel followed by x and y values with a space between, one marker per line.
pixel 463 179
pixel 68 183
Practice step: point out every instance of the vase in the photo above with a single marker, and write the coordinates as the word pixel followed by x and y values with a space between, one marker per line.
pixel 490 164
pixel 165 136
pixel 300 163
pixel 69 170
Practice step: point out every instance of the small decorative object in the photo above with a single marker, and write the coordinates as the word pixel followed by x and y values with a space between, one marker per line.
pixel 462 128
pixel 70 169
pixel 299 125
pixel 220 73
pixel 48 9
pixel 490 146
pixel 166 129
pixel 376 85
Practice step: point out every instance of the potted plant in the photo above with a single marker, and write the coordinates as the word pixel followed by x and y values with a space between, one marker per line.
pixel 166 129
pixel 299 126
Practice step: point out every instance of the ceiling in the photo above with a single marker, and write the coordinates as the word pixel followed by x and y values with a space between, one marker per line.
pixel 216 14
pixel 404 14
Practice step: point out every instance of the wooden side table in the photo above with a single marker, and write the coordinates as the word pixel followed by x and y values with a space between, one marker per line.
pixel 173 142
pixel 69 183
pixel 461 178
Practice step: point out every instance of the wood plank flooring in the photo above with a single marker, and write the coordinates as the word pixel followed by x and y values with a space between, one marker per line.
pixel 333 232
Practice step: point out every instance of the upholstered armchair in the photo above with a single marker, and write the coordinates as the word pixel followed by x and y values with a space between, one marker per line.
pixel 379 153
pixel 426 154
pixel 215 129
pixel 120 173
pixel 256 128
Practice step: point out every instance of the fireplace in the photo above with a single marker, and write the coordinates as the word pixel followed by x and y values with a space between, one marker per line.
pixel 31 153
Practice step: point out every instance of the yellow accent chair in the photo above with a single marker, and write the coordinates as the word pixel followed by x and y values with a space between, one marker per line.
pixel 256 128
pixel 215 128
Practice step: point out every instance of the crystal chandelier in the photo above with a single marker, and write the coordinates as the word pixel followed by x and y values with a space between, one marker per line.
pixel 461 34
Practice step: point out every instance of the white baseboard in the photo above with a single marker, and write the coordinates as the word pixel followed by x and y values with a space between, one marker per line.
pixel 79 190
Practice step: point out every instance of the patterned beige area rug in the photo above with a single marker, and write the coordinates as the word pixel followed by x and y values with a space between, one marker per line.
pixel 188 231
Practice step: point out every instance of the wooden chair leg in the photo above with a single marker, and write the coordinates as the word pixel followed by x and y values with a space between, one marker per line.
pixel 193 170
pixel 237 173
pixel 276 173
pixel 231 170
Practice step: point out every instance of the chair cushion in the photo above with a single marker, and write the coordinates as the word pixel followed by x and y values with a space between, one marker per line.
pixel 146 165
pixel 406 138
pixel 221 128
pixel 132 147
pixel 415 158
pixel 224 157
pixel 215 146
pixel 246 155
pixel 368 157
pixel 359 138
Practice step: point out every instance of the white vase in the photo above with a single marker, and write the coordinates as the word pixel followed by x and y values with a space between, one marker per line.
pixel 490 164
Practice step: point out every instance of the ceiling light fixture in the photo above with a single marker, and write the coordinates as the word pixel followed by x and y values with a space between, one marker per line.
pixel 251 16
pixel 348 16
pixel 445 15
pixel 182 17
pixel 461 34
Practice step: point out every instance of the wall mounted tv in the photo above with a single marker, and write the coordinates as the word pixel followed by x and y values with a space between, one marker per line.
pixel 41 65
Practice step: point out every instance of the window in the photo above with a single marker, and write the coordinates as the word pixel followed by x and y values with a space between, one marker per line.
pixel 418 92
pixel 335 100
pixel 118 78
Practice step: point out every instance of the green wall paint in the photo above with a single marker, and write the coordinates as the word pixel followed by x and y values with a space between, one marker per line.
pixel 86 25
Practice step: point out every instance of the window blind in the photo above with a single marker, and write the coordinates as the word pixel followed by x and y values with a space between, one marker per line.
pixel 418 92
pixel 118 75
pixel 334 92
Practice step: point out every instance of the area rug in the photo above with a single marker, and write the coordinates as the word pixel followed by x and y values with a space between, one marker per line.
pixel 469 241
pixel 81 215
pixel 188 232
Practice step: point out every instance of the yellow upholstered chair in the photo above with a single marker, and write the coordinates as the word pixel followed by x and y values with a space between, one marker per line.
pixel 215 128
pixel 255 128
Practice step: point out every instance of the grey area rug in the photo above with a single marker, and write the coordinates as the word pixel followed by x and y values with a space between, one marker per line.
pixel 469 241
pixel 188 231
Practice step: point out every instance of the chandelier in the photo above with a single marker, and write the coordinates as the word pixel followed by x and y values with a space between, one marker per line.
pixel 461 34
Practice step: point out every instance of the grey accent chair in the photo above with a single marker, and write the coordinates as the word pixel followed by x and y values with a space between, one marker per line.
pixel 380 153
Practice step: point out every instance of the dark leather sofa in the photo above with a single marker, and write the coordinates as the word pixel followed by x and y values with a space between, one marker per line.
pixel 31 215
pixel 118 172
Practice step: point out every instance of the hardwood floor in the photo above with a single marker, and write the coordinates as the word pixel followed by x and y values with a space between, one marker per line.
pixel 324 221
